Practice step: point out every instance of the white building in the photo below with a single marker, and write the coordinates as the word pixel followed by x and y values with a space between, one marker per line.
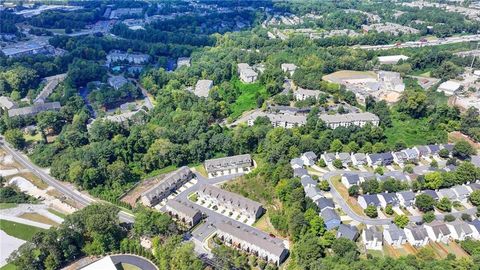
pixel 7 103
pixel 372 238
pixel 460 230
pixel 279 120
pixel 309 158
pixel 246 73
pixel 449 88
pixel 345 120
pixel 183 61
pixel 394 236
pixel 105 263
pixel 416 235
pixel 391 59
pixel 166 186
pixel 437 231
pixel 229 165
pixel 303 94
pixel 135 58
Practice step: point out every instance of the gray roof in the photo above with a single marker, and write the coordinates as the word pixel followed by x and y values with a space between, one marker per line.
pixel 226 163
pixel 431 193
pixel 390 198
pixel 344 157
pixel 439 228
pixel 347 231
pixel 397 175
pixel 296 161
pixel 371 199
pixel 474 186
pixel 323 203
pixel 418 232
pixel 360 156
pixel 34 109
pixel 400 155
pixel 352 179
pixel 168 182
pixel 183 207
pixel 476 224
pixel 407 196
pixel 475 160
pixel 434 148
pixel 117 81
pixel 461 191
pixel 381 157
pixel 254 237
pixel 224 196
pixel 461 226
pixel 423 149
pixel 203 87
pixel 298 172
pixel 312 192
pixel 395 232
pixel 411 153
pixel 329 157
pixel 307 180
pixel 447 192
pixel 310 155
pixel 329 214
pixel 448 146
pixel 349 117
pixel 373 233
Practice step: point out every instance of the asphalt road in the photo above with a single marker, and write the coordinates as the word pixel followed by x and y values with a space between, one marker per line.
pixel 73 194
pixel 138 261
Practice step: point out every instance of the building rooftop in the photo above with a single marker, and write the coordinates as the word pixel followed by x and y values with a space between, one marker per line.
pixel 395 232
pixel 34 109
pixel 253 236
pixel 167 183
pixel 183 207
pixel 373 233
pixel 329 214
pixel 349 117
pixel 226 163
pixel 371 199
pixel 230 197
pixel 203 87
pixel 419 233
pixel 439 228
pixel 347 231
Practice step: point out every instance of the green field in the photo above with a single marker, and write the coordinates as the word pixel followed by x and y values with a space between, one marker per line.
pixel 247 99
pixel 8 267
pixel 7 205
pixel 18 230
pixel 411 131
pixel 57 213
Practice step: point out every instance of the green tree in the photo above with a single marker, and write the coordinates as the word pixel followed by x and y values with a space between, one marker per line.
pixel 389 209
pixel 424 202
pixel 444 204
pixel 336 146
pixel 428 217
pixel 444 153
pixel 463 150
pixel 337 163
pixel 474 197
pixel 15 138
pixel 323 185
pixel 371 211
pixel 433 180
pixel 401 221
pixel 353 191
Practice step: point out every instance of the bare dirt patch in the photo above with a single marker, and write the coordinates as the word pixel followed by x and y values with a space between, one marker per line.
pixel 456 136
pixel 133 195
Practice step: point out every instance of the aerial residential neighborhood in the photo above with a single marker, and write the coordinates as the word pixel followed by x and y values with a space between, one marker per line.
pixel 262 135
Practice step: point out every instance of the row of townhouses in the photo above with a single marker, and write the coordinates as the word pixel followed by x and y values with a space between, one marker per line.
pixel 229 165
pixel 166 187
pixel 407 198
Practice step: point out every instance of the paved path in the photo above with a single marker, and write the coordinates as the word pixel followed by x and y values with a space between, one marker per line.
pixel 26 222
pixel 415 44
pixel 68 191
pixel 138 261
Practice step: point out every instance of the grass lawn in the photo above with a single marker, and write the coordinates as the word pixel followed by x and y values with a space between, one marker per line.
pixel 247 99
pixel 38 218
pixel 31 139
pixel 7 205
pixel 263 223
pixel 201 169
pixel 344 192
pixel 8 267
pixel 57 213
pixel 18 230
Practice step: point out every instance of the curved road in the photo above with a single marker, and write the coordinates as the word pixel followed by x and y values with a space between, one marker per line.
pixel 374 221
pixel 81 199
pixel 138 261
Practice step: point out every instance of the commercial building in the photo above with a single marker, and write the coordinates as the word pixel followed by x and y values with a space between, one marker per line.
pixel 247 74
pixel 253 241
pixel 229 165
pixel 349 119
pixel 449 88
pixel 34 109
pixel 183 212
pixel 233 204
pixel 166 187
